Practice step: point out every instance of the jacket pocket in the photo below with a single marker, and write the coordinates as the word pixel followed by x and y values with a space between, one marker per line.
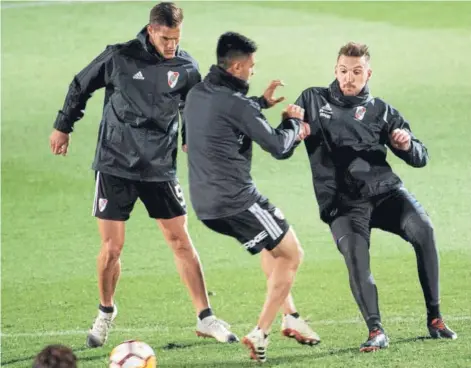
pixel 357 176
pixel 165 110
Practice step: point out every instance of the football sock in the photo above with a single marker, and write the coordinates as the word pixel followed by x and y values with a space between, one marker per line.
pixel 106 309
pixel 205 313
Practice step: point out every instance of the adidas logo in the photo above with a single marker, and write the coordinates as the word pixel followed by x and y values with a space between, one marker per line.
pixel 138 75
pixel 326 111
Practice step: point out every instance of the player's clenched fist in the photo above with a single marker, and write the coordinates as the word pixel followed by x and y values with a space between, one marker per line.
pixel 293 112
pixel 400 139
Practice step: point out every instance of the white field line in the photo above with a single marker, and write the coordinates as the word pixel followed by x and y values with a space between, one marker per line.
pixel 162 328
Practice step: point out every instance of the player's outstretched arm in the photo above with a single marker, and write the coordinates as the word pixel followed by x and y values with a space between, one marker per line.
pixel 278 142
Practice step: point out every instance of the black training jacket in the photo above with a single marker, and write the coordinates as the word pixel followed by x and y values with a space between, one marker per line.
pixel 347 148
pixel 222 123
pixel 143 95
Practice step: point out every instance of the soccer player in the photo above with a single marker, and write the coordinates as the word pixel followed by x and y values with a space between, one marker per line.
pixel 357 190
pixel 146 81
pixel 221 124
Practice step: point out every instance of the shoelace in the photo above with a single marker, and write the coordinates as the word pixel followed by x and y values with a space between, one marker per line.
pixel 218 325
pixel 102 324
pixel 305 330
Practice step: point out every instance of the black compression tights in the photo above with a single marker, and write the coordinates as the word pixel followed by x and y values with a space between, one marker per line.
pixel 357 258
pixel 418 229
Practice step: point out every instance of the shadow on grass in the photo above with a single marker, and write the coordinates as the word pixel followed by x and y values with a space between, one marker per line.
pixel 310 355
pixel 313 354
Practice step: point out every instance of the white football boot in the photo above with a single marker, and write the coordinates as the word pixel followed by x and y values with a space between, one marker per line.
pixel 98 334
pixel 257 344
pixel 215 328
pixel 298 329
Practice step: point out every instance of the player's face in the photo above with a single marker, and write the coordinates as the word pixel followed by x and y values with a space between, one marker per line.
pixel 352 74
pixel 244 68
pixel 165 39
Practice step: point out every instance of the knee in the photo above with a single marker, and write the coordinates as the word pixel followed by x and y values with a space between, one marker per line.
pixel 180 244
pixel 296 256
pixel 112 248
pixel 419 230
pixel 346 244
pixel 354 249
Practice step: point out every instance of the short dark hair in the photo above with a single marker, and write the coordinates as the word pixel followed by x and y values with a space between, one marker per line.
pixel 166 14
pixel 354 49
pixel 232 45
pixel 55 356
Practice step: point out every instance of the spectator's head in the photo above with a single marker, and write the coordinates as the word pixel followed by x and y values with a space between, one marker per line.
pixel 353 68
pixel 165 25
pixel 235 54
pixel 55 356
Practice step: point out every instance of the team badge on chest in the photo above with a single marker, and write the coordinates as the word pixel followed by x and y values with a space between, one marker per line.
pixel 360 112
pixel 172 78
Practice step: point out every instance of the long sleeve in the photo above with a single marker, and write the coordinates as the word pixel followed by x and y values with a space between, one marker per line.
pixel 301 102
pixel 417 155
pixel 278 142
pixel 191 83
pixel 262 102
pixel 91 78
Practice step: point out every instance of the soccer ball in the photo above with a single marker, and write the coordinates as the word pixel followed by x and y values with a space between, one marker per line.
pixel 133 354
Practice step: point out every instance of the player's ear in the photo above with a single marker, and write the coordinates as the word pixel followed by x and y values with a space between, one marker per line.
pixel 236 66
pixel 369 73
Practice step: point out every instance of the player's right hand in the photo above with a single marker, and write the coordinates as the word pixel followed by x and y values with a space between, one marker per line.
pixel 59 142
pixel 293 112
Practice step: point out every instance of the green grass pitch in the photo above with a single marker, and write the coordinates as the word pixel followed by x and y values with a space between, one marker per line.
pixel 421 65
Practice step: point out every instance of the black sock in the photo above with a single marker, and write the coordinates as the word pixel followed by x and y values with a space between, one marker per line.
pixel 374 324
pixel 106 309
pixel 295 314
pixel 205 313
pixel 433 311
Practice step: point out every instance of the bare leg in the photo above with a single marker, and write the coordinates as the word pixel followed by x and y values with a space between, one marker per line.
pixel 186 259
pixel 287 258
pixel 268 262
pixel 108 262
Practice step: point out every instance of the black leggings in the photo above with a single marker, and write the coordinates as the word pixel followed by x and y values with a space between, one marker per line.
pixel 397 212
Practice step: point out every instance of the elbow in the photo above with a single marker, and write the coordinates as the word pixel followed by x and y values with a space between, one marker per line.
pixel 423 162
pixel 418 163
pixel 282 155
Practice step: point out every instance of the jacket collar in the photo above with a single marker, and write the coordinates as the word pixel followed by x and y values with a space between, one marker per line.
pixel 220 77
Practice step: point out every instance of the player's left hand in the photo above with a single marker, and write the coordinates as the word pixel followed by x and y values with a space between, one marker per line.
pixel 304 131
pixel 400 139
pixel 270 91
pixel 185 148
